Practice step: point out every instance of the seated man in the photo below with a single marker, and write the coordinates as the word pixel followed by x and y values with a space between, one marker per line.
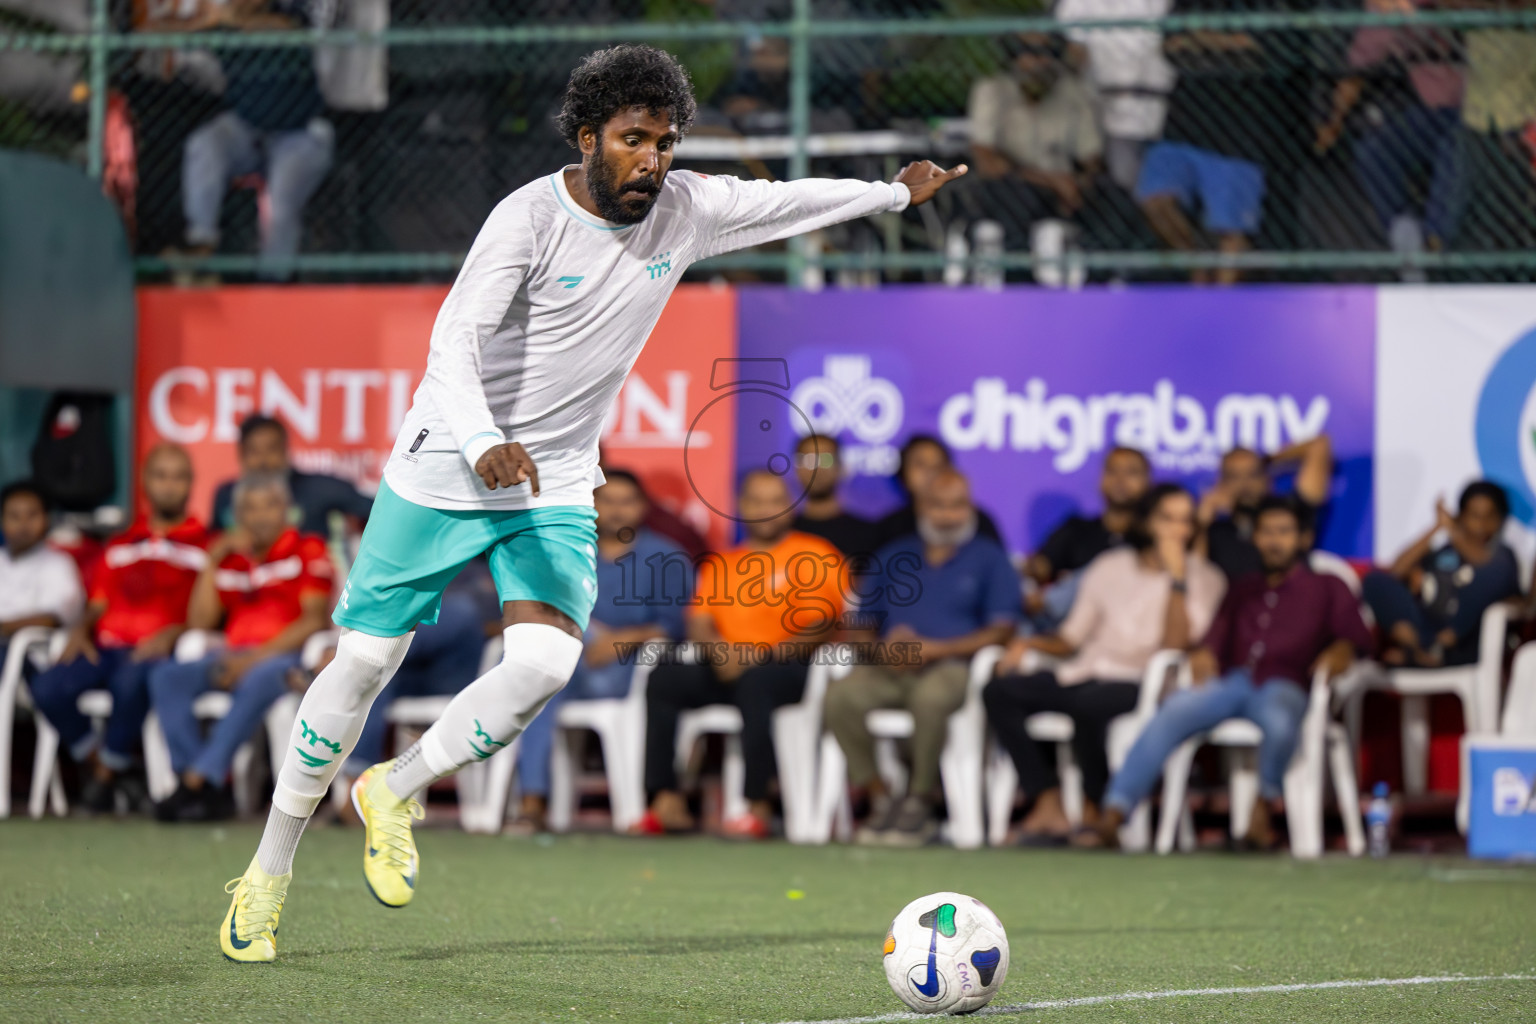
pixel 270 587
pixel 939 596
pixel 1134 601
pixel 777 593
pixel 922 456
pixel 1072 545
pixel 39 585
pixel 1273 632
pixel 137 611
pixel 819 468
pixel 275 126
pixel 1430 604
pixel 315 496
pixel 1035 140
pixel 1246 478
pixel 643 588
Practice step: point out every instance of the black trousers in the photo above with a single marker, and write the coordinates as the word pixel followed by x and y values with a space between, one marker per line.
pixel 1091 705
pixel 760 689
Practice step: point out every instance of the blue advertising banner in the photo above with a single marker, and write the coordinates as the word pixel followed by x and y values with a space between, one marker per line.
pixel 1029 387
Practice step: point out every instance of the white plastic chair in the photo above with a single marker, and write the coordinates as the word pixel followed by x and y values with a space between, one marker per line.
pixel 961 766
pixel 1050 727
pixel 1519 722
pixel 41 646
pixel 796 738
pixel 1304 780
pixel 1475 685
pixel 193 645
pixel 619 723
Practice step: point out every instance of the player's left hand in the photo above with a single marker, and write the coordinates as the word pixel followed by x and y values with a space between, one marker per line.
pixel 508 465
pixel 924 178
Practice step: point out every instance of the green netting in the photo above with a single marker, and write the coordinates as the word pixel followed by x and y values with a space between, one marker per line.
pixel 1109 139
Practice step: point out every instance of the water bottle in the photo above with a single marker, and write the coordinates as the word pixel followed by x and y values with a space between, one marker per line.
pixel 1378 822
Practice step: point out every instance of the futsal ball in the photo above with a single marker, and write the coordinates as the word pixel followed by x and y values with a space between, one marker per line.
pixel 946 953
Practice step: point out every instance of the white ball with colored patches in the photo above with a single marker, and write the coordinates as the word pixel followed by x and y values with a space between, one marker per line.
pixel 946 953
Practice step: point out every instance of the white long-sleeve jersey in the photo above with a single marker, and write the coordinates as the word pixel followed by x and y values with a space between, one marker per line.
pixel 550 311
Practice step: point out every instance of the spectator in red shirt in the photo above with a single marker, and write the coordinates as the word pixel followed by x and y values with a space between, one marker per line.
pixel 1272 632
pixel 270 586
pixel 137 610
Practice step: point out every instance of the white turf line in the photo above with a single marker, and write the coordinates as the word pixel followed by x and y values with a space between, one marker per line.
pixel 1125 997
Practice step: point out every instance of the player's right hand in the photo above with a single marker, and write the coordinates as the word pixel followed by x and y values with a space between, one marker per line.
pixel 508 465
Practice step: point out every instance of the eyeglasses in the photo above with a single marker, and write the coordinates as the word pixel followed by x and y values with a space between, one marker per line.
pixel 816 460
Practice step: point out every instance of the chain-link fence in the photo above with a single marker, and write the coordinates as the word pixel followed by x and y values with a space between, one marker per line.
pixel 1108 139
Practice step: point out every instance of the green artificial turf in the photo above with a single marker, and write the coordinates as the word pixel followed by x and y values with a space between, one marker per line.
pixel 117 922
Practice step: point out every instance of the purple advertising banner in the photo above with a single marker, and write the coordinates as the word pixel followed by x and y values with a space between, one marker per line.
pixel 1029 388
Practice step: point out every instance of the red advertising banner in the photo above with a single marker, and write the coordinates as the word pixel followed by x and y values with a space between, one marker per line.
pixel 339 365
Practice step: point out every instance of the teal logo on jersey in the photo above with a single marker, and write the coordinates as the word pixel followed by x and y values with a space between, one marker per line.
pixel 570 282
pixel 660 265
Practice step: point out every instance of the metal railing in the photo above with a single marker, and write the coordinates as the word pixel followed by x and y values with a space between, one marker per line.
pixel 803 88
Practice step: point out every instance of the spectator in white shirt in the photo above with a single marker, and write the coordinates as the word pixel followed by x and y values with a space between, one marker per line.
pixel 1153 594
pixel 39 585
pixel 1035 139
pixel 1129 75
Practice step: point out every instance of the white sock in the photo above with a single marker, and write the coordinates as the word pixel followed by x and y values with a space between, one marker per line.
pixel 279 842
pixel 331 717
pixel 493 710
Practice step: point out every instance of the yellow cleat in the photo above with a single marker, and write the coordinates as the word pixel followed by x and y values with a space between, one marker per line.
pixel 249 932
pixel 390 862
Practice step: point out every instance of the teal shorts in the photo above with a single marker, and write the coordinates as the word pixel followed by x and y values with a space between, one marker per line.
pixel 409 553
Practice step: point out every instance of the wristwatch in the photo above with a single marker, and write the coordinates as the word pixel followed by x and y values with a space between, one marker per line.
pixel 1179 586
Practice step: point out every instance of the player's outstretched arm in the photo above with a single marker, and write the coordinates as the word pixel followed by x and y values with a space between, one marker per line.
pixel 924 179
pixel 734 214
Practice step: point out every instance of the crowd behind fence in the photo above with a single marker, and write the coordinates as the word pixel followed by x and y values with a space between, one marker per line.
pixel 1108 139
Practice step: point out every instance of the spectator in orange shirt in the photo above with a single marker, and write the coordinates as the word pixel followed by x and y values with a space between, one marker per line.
pixel 781 589
pixel 137 611
pixel 270 587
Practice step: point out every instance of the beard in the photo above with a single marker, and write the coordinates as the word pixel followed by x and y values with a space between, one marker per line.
pixel 951 537
pixel 1280 566
pixel 619 203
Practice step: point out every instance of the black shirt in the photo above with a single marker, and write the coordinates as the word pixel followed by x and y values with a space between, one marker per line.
pixel 850 534
pixel 1077 542
pixel 1229 546
pixel 904 521
pixel 315 496
pixel 1229 540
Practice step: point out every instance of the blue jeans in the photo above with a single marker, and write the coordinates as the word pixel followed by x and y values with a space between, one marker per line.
pixel 292 162
pixel 1392 602
pixel 611 680
pixel 175 686
pixel 1387 157
pixel 1276 707
pixel 56 691
pixel 443 659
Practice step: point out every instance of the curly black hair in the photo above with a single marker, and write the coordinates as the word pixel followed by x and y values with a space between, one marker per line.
pixel 624 76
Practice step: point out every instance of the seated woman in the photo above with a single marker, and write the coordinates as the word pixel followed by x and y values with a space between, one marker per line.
pixel 1134 601
pixel 1430 604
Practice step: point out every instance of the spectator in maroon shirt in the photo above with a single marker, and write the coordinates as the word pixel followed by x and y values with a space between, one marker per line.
pixel 1271 633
